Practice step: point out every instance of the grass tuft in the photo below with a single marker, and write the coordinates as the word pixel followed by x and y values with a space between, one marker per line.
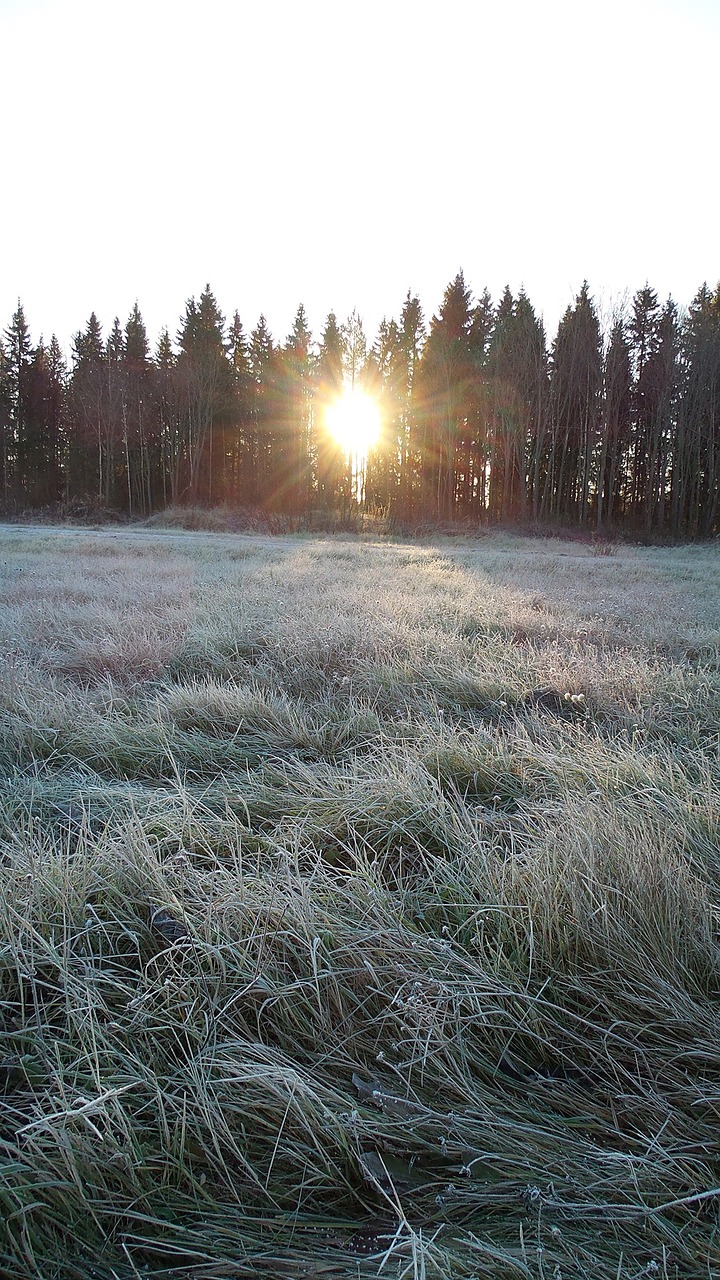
pixel 360 908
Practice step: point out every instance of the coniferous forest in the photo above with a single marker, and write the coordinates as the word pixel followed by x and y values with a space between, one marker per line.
pixel 486 418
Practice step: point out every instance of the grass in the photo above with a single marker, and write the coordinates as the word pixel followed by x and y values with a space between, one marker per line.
pixel 360 908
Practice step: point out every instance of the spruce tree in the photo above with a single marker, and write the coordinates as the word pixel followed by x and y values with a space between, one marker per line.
pixel 205 393
pixel 295 411
pixel 517 364
pixel 446 382
pixel 478 436
pixel 42 454
pixel 617 392
pixel 384 378
pixel 330 465
pixel 58 413
pixel 643 329
pixel 576 405
pixel 695 481
pixel 87 460
pixel 17 429
pixel 116 469
pixel 412 337
pixel 166 416
pixel 141 429
pixel 241 454
pixel 262 369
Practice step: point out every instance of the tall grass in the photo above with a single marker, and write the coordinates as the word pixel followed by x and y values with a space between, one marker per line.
pixel 360 908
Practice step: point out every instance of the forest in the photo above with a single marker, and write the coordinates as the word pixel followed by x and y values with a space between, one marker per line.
pixel 485 420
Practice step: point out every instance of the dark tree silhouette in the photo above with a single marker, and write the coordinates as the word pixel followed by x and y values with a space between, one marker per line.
pixel 480 422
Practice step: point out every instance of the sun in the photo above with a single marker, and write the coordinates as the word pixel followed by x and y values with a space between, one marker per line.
pixel 354 422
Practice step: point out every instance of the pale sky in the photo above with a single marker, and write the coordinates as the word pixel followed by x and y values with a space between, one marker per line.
pixel 340 154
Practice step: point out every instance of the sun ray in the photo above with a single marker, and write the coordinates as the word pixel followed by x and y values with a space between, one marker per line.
pixel 353 421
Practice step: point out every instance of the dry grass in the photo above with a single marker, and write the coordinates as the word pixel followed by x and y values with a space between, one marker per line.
pixel 360 908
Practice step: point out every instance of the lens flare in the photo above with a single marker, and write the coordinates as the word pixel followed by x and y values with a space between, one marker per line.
pixel 354 422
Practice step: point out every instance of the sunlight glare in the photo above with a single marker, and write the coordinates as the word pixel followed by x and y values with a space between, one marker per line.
pixel 354 422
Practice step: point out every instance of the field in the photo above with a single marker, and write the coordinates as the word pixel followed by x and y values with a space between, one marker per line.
pixel 360 908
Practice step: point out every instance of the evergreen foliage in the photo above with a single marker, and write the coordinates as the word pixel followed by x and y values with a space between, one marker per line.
pixel 484 419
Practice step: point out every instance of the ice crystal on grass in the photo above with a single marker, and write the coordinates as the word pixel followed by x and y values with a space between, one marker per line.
pixel 359 908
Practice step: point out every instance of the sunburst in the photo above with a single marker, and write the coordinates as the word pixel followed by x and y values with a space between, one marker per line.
pixel 353 421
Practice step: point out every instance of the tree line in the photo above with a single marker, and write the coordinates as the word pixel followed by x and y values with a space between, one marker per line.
pixel 484 421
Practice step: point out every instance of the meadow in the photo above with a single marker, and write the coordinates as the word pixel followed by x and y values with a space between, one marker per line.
pixel 359 909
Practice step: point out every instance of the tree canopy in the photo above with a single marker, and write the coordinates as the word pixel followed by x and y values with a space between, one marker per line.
pixel 483 418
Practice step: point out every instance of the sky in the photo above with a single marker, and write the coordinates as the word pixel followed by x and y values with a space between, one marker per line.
pixel 340 155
